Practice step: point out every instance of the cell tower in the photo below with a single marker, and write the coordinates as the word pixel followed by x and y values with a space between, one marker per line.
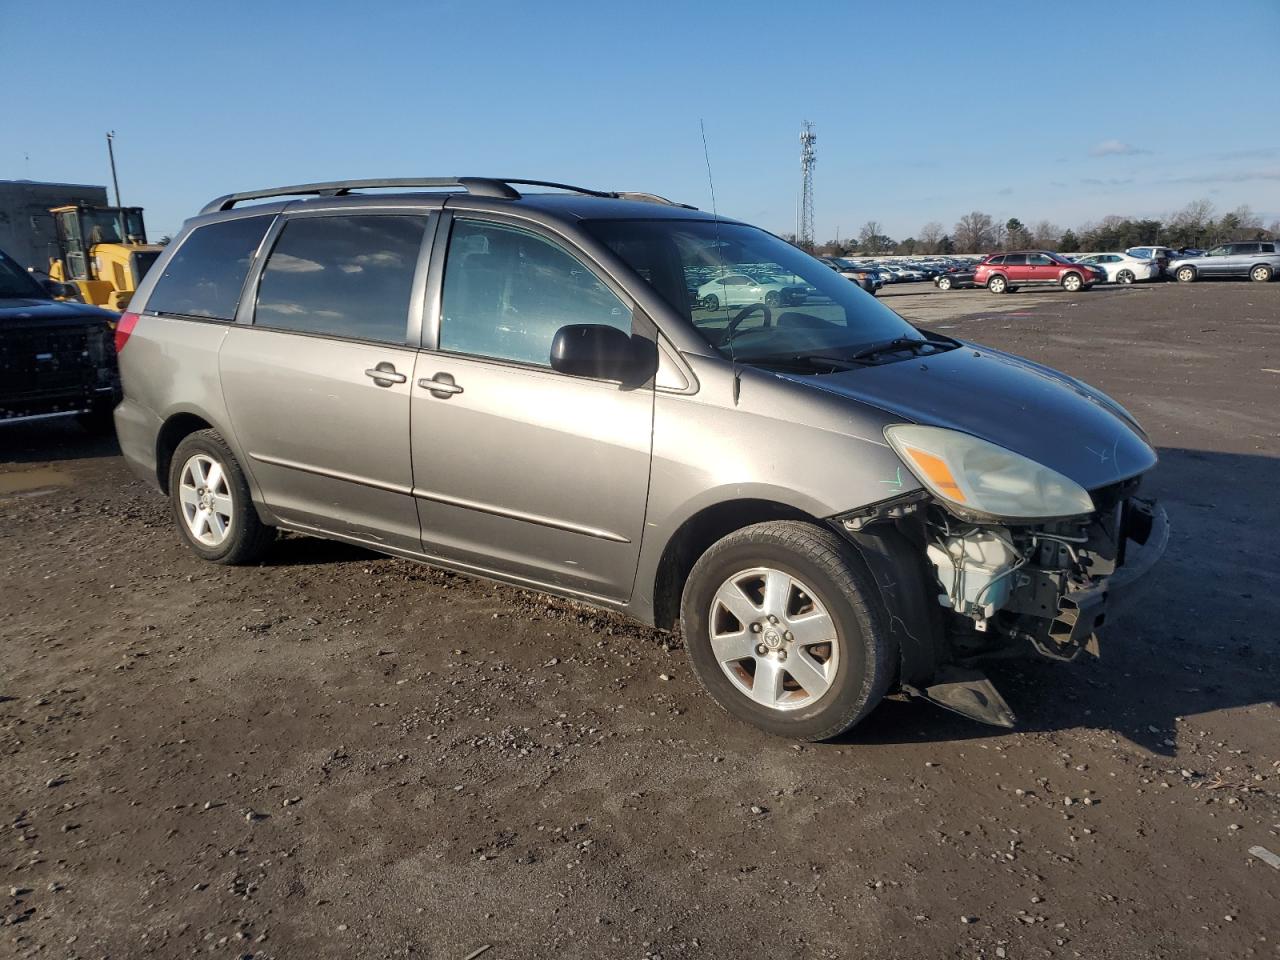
pixel 808 158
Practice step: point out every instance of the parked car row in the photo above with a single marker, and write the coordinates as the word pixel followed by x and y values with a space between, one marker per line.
pixel 872 275
pixel 1004 272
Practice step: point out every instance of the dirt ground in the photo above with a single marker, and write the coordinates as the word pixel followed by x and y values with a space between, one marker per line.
pixel 337 755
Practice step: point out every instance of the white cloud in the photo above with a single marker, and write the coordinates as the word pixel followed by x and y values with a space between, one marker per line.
pixel 1114 148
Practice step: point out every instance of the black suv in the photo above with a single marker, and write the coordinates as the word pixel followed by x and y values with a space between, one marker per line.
pixel 57 359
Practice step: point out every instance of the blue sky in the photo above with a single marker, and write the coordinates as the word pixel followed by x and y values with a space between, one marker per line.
pixel 1065 112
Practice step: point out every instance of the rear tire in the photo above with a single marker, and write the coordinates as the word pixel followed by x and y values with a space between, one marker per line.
pixel 779 577
pixel 998 284
pixel 1186 274
pixel 1261 273
pixel 1125 276
pixel 944 283
pixel 211 503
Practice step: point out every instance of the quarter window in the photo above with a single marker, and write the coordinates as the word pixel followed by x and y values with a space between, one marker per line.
pixel 342 277
pixel 204 276
pixel 507 292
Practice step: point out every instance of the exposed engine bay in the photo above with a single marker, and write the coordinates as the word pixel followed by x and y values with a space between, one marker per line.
pixel 1046 584
pixel 1007 587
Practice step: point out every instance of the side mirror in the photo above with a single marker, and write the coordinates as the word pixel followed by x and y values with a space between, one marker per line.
pixel 603 353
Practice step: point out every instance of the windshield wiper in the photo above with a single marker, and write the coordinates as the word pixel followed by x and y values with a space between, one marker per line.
pixel 900 343
pixel 806 360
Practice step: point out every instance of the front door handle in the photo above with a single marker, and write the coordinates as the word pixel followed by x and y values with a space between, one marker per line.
pixel 384 374
pixel 441 386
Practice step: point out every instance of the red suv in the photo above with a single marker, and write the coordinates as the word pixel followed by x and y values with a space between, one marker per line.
pixel 1005 272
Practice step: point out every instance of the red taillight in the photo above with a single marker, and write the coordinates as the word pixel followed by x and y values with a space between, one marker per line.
pixel 123 328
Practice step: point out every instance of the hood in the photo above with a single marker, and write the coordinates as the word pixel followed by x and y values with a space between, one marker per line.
pixel 1022 406
pixel 29 312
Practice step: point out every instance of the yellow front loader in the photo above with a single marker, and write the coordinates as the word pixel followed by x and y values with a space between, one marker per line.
pixel 103 251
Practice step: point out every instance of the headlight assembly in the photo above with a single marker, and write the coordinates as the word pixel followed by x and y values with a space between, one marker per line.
pixel 975 477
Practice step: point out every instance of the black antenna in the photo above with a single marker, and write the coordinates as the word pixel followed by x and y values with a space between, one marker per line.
pixel 715 217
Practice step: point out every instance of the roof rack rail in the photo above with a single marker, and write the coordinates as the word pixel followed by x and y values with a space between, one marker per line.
pixel 497 187
pixel 477 186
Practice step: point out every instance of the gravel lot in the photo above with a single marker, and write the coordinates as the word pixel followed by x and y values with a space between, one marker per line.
pixel 337 755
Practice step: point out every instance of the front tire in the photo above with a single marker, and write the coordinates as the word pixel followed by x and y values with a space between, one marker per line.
pixel 1186 274
pixel 212 506
pixel 998 284
pixel 1072 282
pixel 711 302
pixel 784 629
pixel 772 299
pixel 1261 273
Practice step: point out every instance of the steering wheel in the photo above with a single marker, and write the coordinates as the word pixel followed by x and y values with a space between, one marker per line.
pixel 741 315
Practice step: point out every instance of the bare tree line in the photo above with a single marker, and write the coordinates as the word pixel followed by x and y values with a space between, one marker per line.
pixel 1195 225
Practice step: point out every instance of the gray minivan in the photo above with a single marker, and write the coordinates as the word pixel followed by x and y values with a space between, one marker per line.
pixel 528 386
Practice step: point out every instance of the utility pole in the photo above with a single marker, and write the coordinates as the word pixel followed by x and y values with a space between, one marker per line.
pixel 808 159
pixel 111 152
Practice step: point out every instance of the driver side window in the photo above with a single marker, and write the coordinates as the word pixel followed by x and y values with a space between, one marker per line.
pixel 507 292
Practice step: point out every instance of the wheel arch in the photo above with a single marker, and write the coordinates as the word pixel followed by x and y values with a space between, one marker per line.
pixel 696 534
pixel 179 424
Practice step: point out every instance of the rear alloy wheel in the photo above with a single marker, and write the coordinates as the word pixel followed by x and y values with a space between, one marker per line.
pixel 1260 273
pixel 1186 274
pixel 944 283
pixel 1072 282
pixel 1125 276
pixel 998 284
pixel 771 298
pixel 212 506
pixel 783 627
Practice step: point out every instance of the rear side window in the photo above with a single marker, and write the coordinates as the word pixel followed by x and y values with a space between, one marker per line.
pixel 342 277
pixel 1015 260
pixel 205 274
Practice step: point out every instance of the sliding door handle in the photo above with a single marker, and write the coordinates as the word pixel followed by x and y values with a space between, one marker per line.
pixel 384 374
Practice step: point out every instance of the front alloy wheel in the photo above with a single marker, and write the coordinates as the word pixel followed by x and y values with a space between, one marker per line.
pixel 1072 282
pixel 773 638
pixel 1185 274
pixel 786 630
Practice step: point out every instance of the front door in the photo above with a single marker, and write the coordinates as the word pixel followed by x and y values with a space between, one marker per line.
pixel 519 470
pixel 1217 261
pixel 1041 269
pixel 318 386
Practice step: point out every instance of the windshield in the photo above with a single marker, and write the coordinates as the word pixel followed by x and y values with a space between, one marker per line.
pixel 711 274
pixel 16 283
